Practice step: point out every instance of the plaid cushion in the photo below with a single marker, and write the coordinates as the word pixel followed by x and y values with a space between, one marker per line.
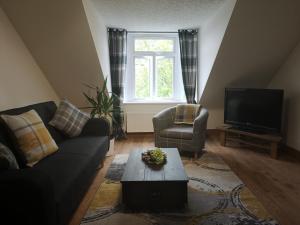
pixel 33 138
pixel 69 119
pixel 7 158
pixel 186 113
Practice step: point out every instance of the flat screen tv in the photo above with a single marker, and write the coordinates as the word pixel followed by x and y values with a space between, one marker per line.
pixel 257 110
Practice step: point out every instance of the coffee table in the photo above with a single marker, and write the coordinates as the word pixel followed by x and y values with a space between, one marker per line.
pixel 156 189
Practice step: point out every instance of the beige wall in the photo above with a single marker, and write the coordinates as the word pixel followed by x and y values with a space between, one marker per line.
pixel 211 36
pixel 259 37
pixel 288 78
pixel 21 80
pixel 99 33
pixel 58 36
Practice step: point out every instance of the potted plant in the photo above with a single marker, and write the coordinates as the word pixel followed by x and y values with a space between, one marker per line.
pixel 102 104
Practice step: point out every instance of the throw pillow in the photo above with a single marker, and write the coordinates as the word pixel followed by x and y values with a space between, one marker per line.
pixel 33 138
pixel 7 158
pixel 69 119
pixel 186 113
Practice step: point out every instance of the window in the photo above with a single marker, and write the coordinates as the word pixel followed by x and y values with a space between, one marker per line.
pixel 153 68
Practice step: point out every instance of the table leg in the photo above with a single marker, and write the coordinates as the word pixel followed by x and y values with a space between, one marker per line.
pixel 223 138
pixel 274 150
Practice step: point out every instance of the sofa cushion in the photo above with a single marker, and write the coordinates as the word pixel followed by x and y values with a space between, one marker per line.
pixel 34 140
pixel 71 170
pixel 178 132
pixel 7 158
pixel 69 119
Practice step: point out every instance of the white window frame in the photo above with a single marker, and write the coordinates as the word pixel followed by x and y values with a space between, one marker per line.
pixel 129 92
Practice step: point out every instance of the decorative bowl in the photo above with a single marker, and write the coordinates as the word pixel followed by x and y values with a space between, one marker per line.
pixel 154 157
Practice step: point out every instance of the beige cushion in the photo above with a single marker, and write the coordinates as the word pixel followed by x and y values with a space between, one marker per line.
pixel 33 138
pixel 178 132
pixel 186 113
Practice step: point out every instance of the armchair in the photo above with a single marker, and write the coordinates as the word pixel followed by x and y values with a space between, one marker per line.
pixel 184 137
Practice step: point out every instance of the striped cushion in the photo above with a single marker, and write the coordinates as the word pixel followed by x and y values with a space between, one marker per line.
pixel 69 119
pixel 33 138
pixel 186 113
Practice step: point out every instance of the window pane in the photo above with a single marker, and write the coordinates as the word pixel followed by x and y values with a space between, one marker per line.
pixel 161 45
pixel 142 77
pixel 164 76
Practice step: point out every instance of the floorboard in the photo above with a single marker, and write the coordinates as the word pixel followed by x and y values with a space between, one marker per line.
pixel 276 183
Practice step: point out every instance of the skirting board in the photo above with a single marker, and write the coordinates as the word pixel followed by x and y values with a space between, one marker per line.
pixel 292 152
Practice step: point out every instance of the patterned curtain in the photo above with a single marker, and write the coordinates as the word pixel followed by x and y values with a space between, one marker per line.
pixel 117 41
pixel 188 42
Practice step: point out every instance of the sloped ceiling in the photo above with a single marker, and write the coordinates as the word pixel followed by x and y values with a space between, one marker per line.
pixel 157 15
pixel 58 35
pixel 258 39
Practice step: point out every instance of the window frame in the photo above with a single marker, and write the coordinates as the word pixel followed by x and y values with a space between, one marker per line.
pixel 129 93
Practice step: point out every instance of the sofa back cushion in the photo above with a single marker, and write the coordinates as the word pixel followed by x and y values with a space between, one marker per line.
pixel 45 110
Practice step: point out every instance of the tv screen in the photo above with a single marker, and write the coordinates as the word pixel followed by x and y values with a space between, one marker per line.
pixel 254 109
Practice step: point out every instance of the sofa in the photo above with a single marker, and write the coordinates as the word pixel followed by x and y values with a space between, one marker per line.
pixel 49 192
pixel 184 137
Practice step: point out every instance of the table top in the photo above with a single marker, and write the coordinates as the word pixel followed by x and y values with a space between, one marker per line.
pixel 137 170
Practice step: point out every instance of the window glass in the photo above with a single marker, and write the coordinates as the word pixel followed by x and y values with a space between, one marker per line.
pixel 154 45
pixel 142 76
pixel 164 76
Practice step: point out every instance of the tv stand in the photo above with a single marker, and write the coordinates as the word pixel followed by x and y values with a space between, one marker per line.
pixel 264 141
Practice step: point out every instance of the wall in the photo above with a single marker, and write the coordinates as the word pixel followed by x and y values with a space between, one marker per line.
pixel 21 80
pixel 139 116
pixel 99 33
pixel 287 78
pixel 58 36
pixel 211 36
pixel 259 37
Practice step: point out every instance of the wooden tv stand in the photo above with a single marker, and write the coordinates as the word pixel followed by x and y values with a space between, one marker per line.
pixel 264 141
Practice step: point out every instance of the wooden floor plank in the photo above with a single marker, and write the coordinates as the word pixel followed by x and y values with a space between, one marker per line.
pixel 276 183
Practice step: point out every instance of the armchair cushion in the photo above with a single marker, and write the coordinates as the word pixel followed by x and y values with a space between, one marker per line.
pixel 186 113
pixel 178 132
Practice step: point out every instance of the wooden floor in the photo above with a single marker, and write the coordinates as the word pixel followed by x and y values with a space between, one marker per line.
pixel 276 183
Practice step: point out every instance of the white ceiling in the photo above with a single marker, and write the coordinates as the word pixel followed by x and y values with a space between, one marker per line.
pixel 156 15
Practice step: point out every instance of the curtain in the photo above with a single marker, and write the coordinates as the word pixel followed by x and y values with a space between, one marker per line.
pixel 117 41
pixel 188 42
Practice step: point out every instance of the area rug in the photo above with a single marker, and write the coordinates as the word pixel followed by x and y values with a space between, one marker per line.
pixel 216 196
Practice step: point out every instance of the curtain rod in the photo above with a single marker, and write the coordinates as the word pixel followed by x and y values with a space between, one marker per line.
pixel 153 32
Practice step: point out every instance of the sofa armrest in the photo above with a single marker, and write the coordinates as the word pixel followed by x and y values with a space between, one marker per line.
pixel 27 197
pixel 164 119
pixel 96 127
pixel 200 123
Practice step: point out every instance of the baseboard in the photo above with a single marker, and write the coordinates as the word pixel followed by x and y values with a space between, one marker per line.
pixel 292 151
pixel 139 133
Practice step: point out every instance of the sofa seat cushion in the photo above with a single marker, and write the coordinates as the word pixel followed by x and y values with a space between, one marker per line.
pixel 178 132
pixel 71 170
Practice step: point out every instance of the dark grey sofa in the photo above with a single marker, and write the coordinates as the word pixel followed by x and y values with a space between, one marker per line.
pixel 50 192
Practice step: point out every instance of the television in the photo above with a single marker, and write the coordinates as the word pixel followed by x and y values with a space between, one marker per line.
pixel 257 110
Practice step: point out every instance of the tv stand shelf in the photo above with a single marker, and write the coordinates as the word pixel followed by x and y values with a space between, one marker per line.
pixel 265 141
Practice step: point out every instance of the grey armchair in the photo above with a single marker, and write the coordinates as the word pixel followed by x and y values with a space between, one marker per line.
pixel 184 137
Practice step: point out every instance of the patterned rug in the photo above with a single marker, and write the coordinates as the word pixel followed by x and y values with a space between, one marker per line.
pixel 216 196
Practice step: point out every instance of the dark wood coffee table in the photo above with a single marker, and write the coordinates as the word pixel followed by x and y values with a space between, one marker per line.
pixel 156 189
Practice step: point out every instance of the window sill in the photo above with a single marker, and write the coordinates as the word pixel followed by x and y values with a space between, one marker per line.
pixel 135 102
